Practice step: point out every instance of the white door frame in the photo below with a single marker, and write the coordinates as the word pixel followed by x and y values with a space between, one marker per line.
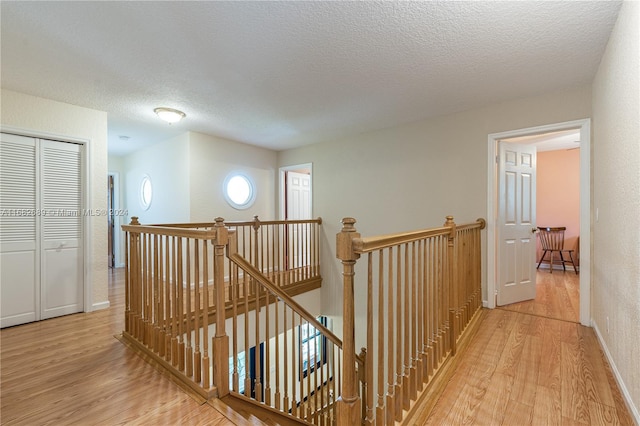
pixel 305 166
pixel 88 218
pixel 584 126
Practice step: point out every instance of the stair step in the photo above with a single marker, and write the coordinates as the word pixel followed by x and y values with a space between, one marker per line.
pixel 252 413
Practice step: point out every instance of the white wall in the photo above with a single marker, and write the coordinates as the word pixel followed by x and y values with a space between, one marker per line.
pixel 412 176
pixel 616 197
pixel 47 117
pixel 211 159
pixel 167 164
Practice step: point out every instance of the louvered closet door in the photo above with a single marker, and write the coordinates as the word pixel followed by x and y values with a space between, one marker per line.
pixel 61 200
pixel 19 264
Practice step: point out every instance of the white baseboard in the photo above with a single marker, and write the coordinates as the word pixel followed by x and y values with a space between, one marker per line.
pixel 100 305
pixel 625 392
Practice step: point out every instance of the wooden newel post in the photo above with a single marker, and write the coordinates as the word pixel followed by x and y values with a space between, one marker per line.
pixel 132 290
pixel 221 340
pixel 452 284
pixel 349 404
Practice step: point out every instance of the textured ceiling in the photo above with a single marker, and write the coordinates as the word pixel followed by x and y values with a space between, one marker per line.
pixel 285 74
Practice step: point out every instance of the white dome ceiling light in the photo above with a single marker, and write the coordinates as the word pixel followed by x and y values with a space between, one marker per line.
pixel 170 115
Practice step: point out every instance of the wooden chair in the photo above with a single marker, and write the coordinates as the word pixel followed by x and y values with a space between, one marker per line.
pixel 552 241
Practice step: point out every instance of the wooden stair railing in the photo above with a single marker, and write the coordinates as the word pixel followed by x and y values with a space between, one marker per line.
pixel 303 358
pixel 423 291
pixel 177 276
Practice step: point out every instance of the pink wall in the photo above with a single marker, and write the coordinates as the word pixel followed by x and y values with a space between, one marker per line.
pixel 558 194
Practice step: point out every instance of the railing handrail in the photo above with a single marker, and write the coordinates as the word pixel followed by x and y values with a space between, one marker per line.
pixel 370 244
pixel 171 231
pixel 238 223
pixel 255 273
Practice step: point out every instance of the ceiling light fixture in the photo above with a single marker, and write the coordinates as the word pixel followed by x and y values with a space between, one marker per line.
pixel 170 115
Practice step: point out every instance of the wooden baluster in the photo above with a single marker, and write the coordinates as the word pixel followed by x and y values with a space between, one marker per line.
pixel 452 285
pixel 380 409
pixel 180 302
pixel 157 307
pixel 258 380
pixel 309 373
pixel 127 282
pixel 369 403
pixel 235 299
pixel 267 372
pixel 145 293
pixel 189 315
pixel 247 378
pixel 413 392
pixel 205 317
pixel 285 350
pixel 294 361
pixel 429 253
pixel 221 340
pixel 349 403
pixel 279 257
pixel 420 319
pixel 197 357
pixel 277 338
pixel 162 335
pixel 301 396
pixel 390 403
pixel 318 366
pixel 168 306
pixel 426 311
pixel 399 346
pixel 324 349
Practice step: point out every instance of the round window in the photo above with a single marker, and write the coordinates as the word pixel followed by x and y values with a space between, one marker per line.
pixel 239 191
pixel 146 192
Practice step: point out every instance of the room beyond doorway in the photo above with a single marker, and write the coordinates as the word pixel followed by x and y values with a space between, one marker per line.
pixel 584 128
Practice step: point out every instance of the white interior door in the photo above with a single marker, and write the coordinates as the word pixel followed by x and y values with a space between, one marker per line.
pixel 516 223
pixel 61 198
pixel 19 248
pixel 298 196
pixel 298 207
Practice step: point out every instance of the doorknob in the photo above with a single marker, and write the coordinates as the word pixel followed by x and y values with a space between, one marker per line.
pixel 534 230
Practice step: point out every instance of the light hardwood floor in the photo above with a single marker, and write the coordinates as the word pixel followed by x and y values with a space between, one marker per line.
pixel 519 369
pixel 71 370
pixel 557 296
pixel 523 369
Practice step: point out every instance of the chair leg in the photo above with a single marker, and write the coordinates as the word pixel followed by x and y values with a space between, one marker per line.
pixel 551 263
pixel 573 263
pixel 564 268
pixel 541 259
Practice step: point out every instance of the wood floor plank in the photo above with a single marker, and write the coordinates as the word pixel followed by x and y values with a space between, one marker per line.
pixel 547 409
pixel 518 413
pixel 526 372
pixel 573 395
pixel 602 414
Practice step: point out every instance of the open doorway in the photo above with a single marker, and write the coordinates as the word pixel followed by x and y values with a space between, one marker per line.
pixel 557 289
pixel 493 254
